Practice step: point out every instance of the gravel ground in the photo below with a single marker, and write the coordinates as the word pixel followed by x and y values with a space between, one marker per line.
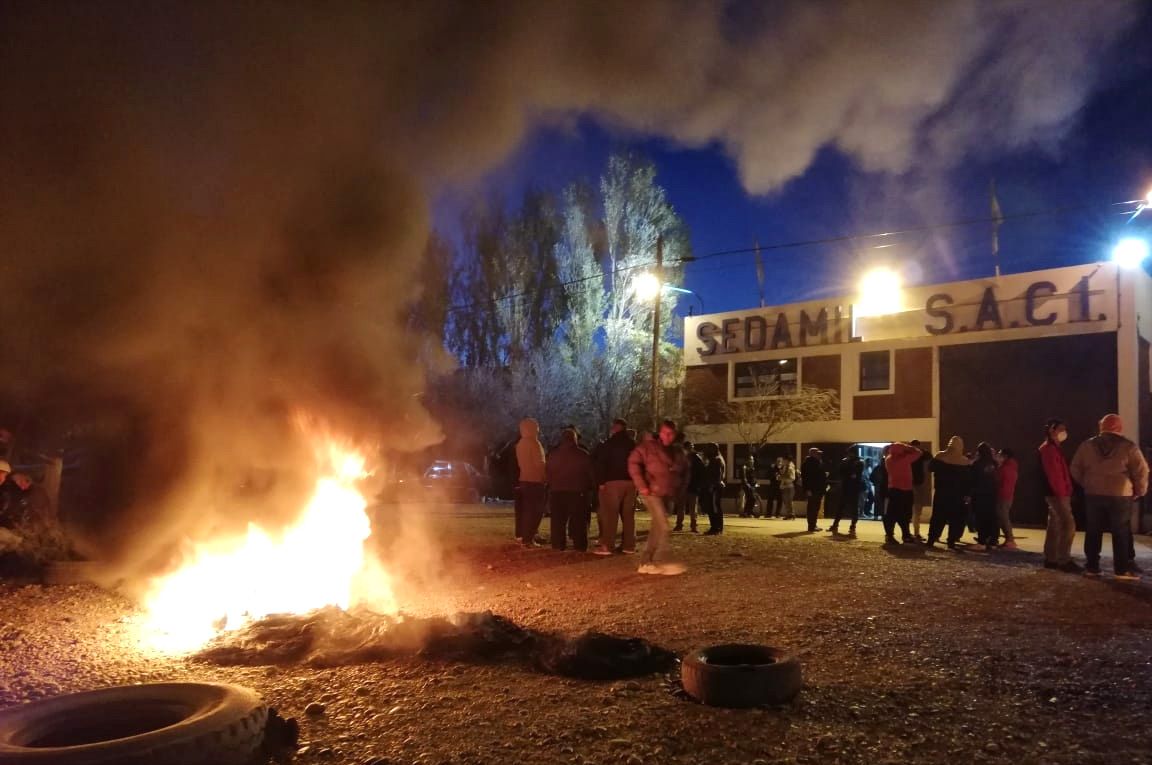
pixel 909 656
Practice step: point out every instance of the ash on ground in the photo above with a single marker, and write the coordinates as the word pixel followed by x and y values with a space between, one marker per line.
pixel 332 637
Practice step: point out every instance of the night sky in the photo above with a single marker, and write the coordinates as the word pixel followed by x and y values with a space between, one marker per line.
pixel 1072 181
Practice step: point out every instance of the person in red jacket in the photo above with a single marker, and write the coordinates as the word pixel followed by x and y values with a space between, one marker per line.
pixel 1057 485
pixel 898 464
pixel 1007 471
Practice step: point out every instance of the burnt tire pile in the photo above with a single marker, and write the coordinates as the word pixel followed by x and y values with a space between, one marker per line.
pixel 741 675
pixel 170 723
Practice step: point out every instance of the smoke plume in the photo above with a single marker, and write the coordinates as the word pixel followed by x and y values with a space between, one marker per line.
pixel 212 214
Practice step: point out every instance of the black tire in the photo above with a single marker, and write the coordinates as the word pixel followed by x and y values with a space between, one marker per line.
pixel 170 723
pixel 740 676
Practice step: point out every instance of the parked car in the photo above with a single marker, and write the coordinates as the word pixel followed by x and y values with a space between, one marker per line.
pixel 456 481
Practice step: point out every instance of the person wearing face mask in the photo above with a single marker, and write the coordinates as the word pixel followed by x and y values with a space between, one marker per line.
pixel 1056 482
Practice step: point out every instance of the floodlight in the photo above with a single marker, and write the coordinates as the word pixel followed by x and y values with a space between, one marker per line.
pixel 1130 252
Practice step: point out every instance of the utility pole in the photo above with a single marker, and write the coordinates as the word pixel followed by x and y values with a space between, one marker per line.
pixel 656 333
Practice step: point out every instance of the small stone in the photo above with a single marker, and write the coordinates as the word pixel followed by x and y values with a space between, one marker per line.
pixel 314 709
pixel 992 747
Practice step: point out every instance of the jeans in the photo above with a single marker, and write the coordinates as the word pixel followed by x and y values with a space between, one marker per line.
pixel 710 505
pixel 899 513
pixel 849 506
pixel 657 543
pixel 787 493
pixel 1004 518
pixel 531 510
pixel 751 501
pixel 814 500
pixel 686 504
pixel 1115 515
pixel 569 518
pixel 617 508
pixel 1061 530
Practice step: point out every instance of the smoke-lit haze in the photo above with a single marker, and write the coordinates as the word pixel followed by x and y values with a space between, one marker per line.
pixel 211 215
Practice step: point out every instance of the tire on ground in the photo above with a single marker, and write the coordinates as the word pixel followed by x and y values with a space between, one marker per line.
pixel 740 675
pixel 170 723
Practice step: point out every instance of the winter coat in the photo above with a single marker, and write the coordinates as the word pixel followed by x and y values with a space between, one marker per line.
pixel 851 476
pixel 569 468
pixel 716 472
pixel 1006 476
pixel 1055 477
pixel 787 475
pixel 813 475
pixel 611 458
pixel 530 452
pixel 984 483
pixel 661 471
pixel 898 463
pixel 953 482
pixel 697 474
pixel 1109 465
pixel 879 479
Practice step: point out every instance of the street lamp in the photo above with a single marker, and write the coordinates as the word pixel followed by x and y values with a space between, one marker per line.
pixel 880 292
pixel 647 286
pixel 1130 252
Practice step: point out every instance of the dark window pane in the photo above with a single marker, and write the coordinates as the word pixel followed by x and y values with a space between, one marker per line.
pixel 875 370
pixel 778 377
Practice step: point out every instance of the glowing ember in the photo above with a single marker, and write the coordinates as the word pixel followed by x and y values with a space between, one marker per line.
pixel 317 561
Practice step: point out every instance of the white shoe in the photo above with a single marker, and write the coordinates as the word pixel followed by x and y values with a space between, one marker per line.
pixel 649 568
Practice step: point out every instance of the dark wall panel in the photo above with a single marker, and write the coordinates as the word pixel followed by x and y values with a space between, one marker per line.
pixel 704 388
pixel 911 395
pixel 1003 392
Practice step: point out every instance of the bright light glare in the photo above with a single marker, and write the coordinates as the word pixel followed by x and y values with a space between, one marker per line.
pixel 879 292
pixel 646 286
pixel 1130 252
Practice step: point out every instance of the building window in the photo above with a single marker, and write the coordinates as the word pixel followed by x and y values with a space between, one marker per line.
pixel 876 370
pixel 778 377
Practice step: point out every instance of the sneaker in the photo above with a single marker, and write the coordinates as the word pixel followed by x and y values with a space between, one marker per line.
pixel 814 529
pixel 1072 567
pixel 648 568
pixel 677 528
pixel 833 531
pixel 694 530
pixel 852 531
pixel 1009 545
pixel 601 550
pixel 890 541
pixel 629 552
pixel 1092 572
pixel 1127 576
pixel 909 541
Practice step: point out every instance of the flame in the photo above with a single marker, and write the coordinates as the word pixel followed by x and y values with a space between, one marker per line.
pixel 317 561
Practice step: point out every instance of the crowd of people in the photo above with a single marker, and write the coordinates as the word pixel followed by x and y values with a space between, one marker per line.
pixel 678 481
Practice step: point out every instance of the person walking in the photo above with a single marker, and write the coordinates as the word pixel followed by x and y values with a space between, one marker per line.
pixel 697 476
pixel 1056 482
pixel 814 478
pixel 570 480
pixel 1114 475
pixel 898 465
pixel 851 474
pixel 659 469
pixel 617 494
pixel 1007 472
pixel 921 489
pixel 748 489
pixel 530 462
pixel 787 488
pixel 984 488
pixel 952 477
pixel 711 496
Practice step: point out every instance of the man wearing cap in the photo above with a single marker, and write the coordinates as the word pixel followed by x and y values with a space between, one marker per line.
pixel 1113 473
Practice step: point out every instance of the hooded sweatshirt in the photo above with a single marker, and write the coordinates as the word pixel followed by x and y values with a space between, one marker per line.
pixel 898 463
pixel 952 471
pixel 569 467
pixel 1110 465
pixel 1057 481
pixel 530 452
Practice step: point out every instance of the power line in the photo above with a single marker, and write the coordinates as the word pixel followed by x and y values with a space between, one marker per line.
pixel 797 244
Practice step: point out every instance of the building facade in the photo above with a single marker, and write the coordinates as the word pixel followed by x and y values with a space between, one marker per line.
pixel 986 359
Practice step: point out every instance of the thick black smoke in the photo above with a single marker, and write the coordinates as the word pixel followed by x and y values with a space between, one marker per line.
pixel 212 215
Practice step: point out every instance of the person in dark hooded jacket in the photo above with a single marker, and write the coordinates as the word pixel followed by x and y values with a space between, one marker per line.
pixel 984 487
pixel 953 479
pixel 617 493
pixel 570 479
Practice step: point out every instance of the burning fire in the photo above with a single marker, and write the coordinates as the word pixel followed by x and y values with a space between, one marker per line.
pixel 317 561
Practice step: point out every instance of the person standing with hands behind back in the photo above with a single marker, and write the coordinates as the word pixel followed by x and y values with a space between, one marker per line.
pixel 1056 482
